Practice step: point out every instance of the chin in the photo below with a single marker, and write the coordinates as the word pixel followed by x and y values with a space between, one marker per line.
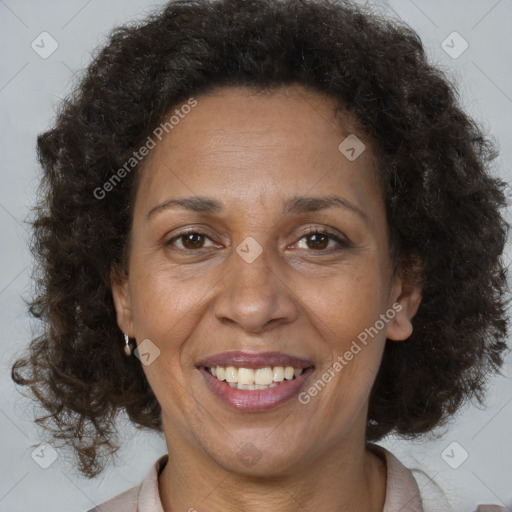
pixel 255 457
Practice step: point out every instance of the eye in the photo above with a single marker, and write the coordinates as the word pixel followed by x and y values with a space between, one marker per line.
pixel 190 240
pixel 320 238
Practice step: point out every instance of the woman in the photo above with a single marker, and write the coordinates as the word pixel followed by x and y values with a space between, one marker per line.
pixel 268 230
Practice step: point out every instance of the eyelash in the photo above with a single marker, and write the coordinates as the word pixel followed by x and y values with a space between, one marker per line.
pixel 343 243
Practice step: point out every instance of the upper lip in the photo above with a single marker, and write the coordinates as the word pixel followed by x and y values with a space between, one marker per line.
pixel 254 360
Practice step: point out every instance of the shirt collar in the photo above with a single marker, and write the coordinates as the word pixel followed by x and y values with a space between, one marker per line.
pixel 402 491
pixel 149 496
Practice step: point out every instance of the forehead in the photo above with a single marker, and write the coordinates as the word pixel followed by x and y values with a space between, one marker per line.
pixel 242 145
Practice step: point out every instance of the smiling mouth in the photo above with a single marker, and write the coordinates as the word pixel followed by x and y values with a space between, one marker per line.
pixel 253 379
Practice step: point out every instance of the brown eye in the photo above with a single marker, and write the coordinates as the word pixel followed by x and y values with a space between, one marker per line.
pixel 191 240
pixel 319 240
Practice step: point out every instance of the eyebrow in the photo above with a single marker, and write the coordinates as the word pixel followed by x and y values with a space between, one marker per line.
pixel 297 204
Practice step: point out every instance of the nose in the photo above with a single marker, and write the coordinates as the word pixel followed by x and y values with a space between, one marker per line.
pixel 255 295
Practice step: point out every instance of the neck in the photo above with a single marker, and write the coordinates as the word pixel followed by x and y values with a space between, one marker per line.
pixel 346 477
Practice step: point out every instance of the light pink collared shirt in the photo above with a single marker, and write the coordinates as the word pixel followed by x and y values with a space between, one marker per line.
pixel 402 492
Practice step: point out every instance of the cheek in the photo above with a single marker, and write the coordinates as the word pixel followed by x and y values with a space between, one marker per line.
pixel 163 305
pixel 346 312
pixel 347 303
pixel 166 310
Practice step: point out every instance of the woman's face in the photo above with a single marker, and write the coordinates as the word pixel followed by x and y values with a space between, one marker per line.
pixel 252 286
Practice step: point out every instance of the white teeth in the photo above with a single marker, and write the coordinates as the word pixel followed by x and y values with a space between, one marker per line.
pixel 246 376
pixel 263 376
pixel 231 374
pixel 278 373
pixel 289 373
pixel 253 379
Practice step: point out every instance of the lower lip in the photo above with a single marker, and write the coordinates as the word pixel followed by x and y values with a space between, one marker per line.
pixel 258 399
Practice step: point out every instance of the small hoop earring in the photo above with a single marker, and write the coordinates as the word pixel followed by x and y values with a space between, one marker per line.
pixel 127 345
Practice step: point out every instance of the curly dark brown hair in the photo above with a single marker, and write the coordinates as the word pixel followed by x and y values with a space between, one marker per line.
pixel 442 204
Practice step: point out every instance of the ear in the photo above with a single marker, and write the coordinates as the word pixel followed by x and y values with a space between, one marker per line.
pixel 122 302
pixel 406 297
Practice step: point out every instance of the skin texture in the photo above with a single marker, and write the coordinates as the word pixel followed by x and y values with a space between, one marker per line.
pixel 252 151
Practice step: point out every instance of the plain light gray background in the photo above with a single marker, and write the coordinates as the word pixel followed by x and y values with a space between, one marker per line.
pixel 31 87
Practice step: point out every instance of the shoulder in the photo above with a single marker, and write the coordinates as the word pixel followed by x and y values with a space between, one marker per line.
pixel 143 496
pixel 124 502
pixel 435 500
pixel 422 493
